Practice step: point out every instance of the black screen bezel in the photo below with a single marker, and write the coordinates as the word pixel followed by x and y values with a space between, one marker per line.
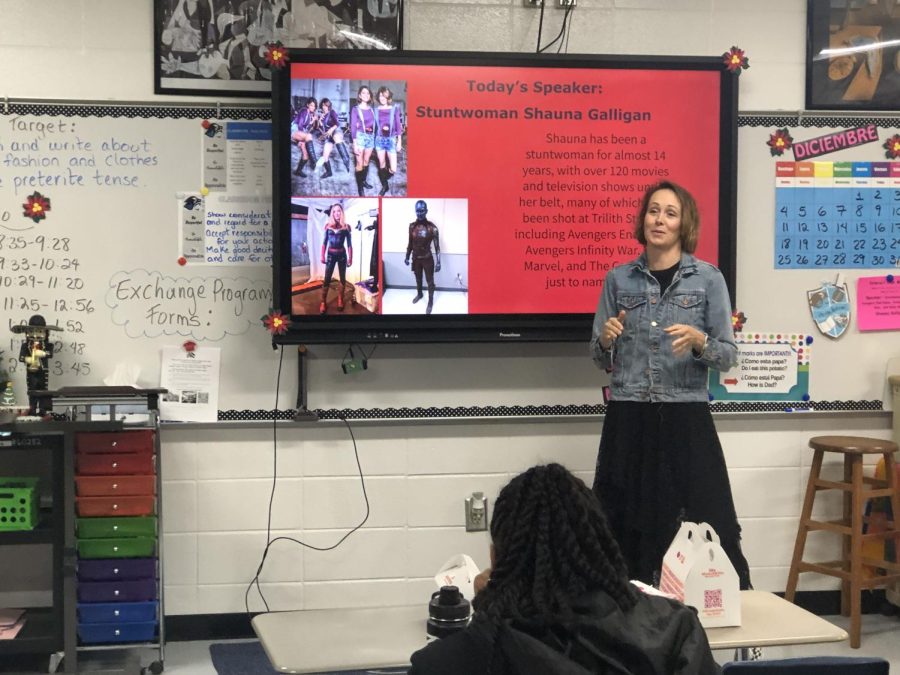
pixel 342 329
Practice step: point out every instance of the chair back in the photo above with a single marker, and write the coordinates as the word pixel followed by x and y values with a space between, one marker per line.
pixel 813 665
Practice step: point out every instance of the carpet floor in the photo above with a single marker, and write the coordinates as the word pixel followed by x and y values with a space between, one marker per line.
pixel 249 658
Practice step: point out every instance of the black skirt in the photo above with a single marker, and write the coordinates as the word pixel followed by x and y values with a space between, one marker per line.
pixel 660 464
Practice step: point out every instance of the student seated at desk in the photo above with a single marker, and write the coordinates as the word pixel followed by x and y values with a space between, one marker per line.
pixel 558 599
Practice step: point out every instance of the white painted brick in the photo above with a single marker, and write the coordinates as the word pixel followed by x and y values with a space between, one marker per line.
pixel 370 593
pixel 333 503
pixel 460 27
pixel 430 548
pixel 664 8
pixel 246 453
pixel 181 600
pixel 574 445
pixel 366 554
pixel 243 504
pixel 330 452
pixel 772 579
pixel 758 448
pixel 677 33
pixel 226 558
pixel 419 590
pixel 768 542
pixel 111 13
pixel 179 506
pixel 434 501
pixel 179 457
pixel 60 28
pixel 230 598
pixel 760 493
pixel 180 559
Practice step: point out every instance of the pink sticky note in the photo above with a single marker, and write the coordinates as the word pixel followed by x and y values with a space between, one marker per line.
pixel 878 303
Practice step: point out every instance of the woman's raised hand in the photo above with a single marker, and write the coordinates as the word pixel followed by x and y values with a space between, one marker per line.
pixel 612 329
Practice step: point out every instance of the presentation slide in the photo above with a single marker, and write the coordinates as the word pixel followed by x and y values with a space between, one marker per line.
pixel 546 165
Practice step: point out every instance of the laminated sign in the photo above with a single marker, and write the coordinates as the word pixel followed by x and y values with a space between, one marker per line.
pixel 697 571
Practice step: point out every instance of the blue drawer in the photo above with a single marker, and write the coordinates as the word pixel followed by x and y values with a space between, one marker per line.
pixel 116 612
pixel 92 633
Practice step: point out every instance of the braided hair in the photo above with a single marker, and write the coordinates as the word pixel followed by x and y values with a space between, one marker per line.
pixel 552 546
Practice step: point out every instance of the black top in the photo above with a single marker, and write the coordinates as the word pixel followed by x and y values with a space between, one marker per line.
pixel 664 277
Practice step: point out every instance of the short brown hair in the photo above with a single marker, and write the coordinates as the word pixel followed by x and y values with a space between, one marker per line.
pixel 690 215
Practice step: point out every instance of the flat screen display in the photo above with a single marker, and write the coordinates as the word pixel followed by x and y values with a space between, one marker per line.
pixel 483 197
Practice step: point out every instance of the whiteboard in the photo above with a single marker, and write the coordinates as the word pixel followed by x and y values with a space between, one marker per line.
pixel 104 263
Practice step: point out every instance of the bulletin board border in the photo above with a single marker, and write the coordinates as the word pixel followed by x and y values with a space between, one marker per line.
pixel 135 109
pixel 801 119
pixel 517 411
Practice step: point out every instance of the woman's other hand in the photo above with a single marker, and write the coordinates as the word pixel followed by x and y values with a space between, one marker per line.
pixel 686 338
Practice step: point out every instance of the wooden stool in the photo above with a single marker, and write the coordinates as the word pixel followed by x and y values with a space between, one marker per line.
pixel 854 486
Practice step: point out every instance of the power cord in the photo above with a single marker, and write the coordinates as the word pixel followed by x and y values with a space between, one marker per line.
pixel 269 541
pixel 562 30
pixel 537 48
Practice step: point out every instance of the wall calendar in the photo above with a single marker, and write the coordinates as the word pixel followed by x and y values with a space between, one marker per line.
pixel 837 215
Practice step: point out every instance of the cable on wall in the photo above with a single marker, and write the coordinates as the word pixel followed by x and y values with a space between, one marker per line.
pixel 537 47
pixel 559 36
pixel 269 540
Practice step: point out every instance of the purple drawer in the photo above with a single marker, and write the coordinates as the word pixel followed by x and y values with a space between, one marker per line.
pixel 119 568
pixel 117 591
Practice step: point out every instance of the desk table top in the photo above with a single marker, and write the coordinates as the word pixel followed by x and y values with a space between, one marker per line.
pixel 313 641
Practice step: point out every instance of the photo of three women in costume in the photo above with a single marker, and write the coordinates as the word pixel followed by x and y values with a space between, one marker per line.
pixel 344 118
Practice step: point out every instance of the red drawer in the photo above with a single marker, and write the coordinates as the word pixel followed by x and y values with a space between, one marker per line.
pixel 113 464
pixel 137 441
pixel 116 506
pixel 101 486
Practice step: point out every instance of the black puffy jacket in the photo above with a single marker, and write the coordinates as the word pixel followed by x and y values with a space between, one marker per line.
pixel 656 637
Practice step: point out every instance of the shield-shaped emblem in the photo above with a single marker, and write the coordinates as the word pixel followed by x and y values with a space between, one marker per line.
pixel 830 308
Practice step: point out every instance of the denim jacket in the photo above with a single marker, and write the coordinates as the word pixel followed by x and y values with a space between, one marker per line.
pixel 644 368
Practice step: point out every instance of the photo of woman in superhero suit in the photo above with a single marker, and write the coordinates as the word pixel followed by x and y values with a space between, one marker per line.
pixel 425 258
pixel 337 250
pixel 335 237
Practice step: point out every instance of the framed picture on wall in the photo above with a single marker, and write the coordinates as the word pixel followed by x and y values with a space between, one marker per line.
pixel 218 47
pixel 853 55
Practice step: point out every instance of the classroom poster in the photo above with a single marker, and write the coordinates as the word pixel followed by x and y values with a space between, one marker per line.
pixel 770 367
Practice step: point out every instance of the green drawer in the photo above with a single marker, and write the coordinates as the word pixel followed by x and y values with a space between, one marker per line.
pixel 101 528
pixel 128 547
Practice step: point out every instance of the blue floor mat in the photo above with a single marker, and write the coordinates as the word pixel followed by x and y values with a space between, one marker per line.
pixel 249 658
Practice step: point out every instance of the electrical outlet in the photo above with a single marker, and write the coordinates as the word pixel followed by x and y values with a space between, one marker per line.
pixel 476 512
pixel 565 4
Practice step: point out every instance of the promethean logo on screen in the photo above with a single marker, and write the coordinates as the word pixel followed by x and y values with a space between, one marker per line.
pixel 510 335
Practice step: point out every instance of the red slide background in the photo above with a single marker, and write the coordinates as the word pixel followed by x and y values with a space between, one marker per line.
pixel 485 161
